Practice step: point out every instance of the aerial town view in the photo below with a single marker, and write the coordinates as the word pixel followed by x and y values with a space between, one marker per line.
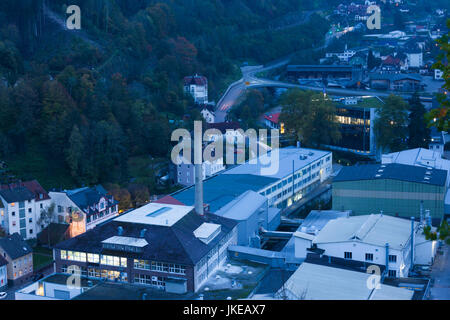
pixel 221 150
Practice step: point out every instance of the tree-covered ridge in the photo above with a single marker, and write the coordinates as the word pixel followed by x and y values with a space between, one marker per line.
pixel 76 106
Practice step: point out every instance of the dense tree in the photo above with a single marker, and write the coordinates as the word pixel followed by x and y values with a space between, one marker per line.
pixel 391 124
pixel 419 133
pixel 310 116
pixel 440 117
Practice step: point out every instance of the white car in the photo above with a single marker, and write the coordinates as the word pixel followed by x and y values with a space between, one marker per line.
pixel 3 295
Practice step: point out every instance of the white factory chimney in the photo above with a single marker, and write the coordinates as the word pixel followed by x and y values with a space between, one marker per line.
pixel 198 160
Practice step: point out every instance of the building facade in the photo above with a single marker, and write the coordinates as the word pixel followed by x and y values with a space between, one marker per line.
pixel 356 118
pixel 3 272
pixel 168 247
pixel 19 256
pixel 394 189
pixel 197 87
pixel 20 208
pixel 84 208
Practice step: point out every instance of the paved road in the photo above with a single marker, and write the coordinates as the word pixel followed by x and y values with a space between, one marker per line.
pixel 441 275
pixel 249 79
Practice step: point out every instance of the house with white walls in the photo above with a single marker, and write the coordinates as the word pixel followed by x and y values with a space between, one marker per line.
pixel 375 239
pixel 21 204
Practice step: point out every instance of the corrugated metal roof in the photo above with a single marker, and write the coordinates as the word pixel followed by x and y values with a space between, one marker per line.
pixel 371 229
pixel 243 206
pixel 318 282
pixel 393 171
pixel 222 189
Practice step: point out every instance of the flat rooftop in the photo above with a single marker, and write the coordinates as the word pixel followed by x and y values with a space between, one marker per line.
pixel 159 214
pixel 243 206
pixel 289 159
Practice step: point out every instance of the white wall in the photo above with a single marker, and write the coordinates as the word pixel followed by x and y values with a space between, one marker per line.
pixel 359 251
pixel 300 247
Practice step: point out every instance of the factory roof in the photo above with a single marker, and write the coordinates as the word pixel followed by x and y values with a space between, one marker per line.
pixel 289 159
pixel 222 189
pixel 393 171
pixel 317 219
pixel 173 244
pixel 374 229
pixel 417 157
pixel 243 206
pixel 318 282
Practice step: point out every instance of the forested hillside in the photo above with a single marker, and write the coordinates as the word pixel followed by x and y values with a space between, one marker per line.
pixel 76 106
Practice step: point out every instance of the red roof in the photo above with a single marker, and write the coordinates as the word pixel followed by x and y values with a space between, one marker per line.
pixel 169 200
pixel 197 80
pixel 32 185
pixel 391 61
pixel 272 117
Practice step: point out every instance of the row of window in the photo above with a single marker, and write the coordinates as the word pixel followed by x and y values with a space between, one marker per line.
pixel 159 266
pixel 96 273
pixel 94 258
pixel 369 257
pixel 158 282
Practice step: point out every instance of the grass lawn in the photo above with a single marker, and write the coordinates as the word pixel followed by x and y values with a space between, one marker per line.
pixel 42 257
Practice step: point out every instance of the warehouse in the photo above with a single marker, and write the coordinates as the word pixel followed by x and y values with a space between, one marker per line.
pixel 376 239
pixel 394 189
pixel 318 282
pixel 300 171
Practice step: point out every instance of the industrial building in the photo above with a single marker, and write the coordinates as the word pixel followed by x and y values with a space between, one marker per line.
pixel 300 170
pixel 251 212
pixel 394 189
pixel 419 157
pixel 324 72
pixel 375 240
pixel 310 227
pixel 319 282
pixel 164 246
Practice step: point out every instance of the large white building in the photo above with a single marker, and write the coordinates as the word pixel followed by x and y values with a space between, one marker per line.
pixel 414 59
pixel 375 239
pixel 20 208
pixel 297 172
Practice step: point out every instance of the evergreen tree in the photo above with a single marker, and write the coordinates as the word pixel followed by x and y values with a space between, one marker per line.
pixel 419 133
pixel 391 125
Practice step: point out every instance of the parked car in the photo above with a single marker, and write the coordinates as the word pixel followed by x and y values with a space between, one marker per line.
pixel 3 295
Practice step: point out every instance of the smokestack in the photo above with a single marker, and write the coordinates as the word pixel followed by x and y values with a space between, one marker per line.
pixel 387 258
pixel 198 167
pixel 412 243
